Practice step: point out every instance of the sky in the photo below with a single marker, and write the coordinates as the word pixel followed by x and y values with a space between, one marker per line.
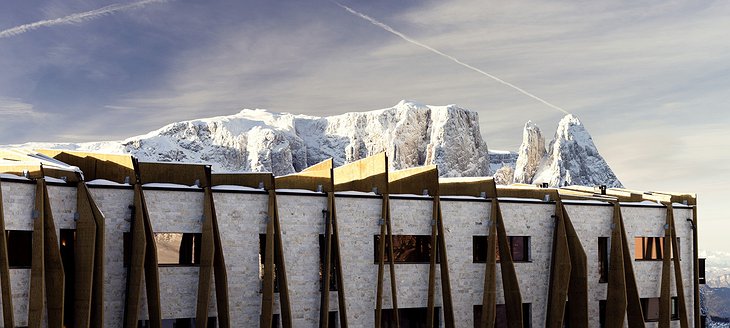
pixel 650 80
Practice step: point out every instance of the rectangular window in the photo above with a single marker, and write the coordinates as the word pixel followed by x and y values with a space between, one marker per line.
pixel 500 319
pixel 178 323
pixel 651 307
pixel 262 261
pixel 333 264
pixel 20 246
pixel 650 248
pixel 178 249
pixel 406 249
pixel 602 313
pixel 603 256
pixel 410 317
pixel 519 247
pixel 701 268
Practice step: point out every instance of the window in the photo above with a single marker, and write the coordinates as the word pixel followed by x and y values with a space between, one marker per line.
pixel 262 261
pixel 651 306
pixel 20 246
pixel 650 248
pixel 178 323
pixel 333 264
pixel 275 320
pixel 519 246
pixel 67 239
pixel 178 249
pixel 602 313
pixel 603 256
pixel 701 268
pixel 500 319
pixel 406 249
pixel 333 320
pixel 410 317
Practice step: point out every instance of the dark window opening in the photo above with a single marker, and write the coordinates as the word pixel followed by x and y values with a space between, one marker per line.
pixel 603 256
pixel 178 249
pixel 67 239
pixel 333 264
pixel 262 262
pixel 127 246
pixel 651 248
pixel 519 247
pixel 178 323
pixel 701 268
pixel 651 308
pixel 500 319
pixel 20 248
pixel 602 313
pixel 406 249
pixel 334 320
pixel 410 317
pixel 275 320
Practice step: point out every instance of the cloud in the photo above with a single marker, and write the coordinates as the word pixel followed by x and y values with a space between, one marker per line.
pixel 11 107
pixel 76 18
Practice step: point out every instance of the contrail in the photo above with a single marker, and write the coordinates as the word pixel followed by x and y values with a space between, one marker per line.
pixel 438 52
pixel 75 18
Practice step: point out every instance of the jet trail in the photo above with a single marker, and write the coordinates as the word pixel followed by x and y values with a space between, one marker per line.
pixel 75 18
pixel 438 52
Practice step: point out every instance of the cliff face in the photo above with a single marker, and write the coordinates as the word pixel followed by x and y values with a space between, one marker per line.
pixel 531 153
pixel 257 140
pixel 573 159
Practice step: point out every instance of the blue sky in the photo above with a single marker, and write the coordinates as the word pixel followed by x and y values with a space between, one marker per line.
pixel 649 79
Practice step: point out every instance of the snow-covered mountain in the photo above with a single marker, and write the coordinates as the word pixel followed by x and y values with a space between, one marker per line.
pixel 257 140
pixel 410 133
pixel 571 158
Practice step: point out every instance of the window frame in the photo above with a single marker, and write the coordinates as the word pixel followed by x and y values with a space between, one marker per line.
pixel 478 257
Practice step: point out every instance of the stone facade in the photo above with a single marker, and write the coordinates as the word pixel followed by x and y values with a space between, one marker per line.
pixel 242 216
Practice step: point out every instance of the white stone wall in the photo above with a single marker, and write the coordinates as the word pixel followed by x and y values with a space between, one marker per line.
pixel 114 204
pixel 242 217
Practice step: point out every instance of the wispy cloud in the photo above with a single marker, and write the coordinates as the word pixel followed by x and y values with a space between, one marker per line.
pixel 10 107
pixel 76 18
pixel 447 56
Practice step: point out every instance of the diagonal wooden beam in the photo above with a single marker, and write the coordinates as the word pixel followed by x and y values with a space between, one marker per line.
pixel 665 310
pixel 683 320
pixel 616 299
pixel 489 296
pixel 84 257
pixel 381 265
pixel 54 275
pixel 393 284
pixel 432 266
pixel 97 297
pixel 512 296
pixel 267 298
pixel 280 262
pixel 37 270
pixel 324 304
pixel 444 267
pixel 207 253
pixel 7 293
pixel 151 272
pixel 578 286
pixel 135 271
pixel 560 269
pixel 219 272
pixel 634 312
pixel 341 301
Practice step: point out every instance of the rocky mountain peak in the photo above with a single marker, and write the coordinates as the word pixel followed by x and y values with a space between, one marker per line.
pixel 530 155
pixel 573 159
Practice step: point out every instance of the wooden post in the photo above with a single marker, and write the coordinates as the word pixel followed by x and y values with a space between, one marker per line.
pixel 445 279
pixel 489 296
pixel 512 296
pixel 54 275
pixel 560 268
pixel 84 257
pixel 324 304
pixel 616 296
pixel 37 270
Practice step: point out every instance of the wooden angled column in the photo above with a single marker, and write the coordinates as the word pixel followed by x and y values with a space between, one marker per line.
pixel 212 263
pixel 512 295
pixel 560 268
pixel 616 301
pixel 54 274
pixel 274 268
pixel 37 269
pixel 84 257
pixel 7 294
pixel 489 294
pixel 578 285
